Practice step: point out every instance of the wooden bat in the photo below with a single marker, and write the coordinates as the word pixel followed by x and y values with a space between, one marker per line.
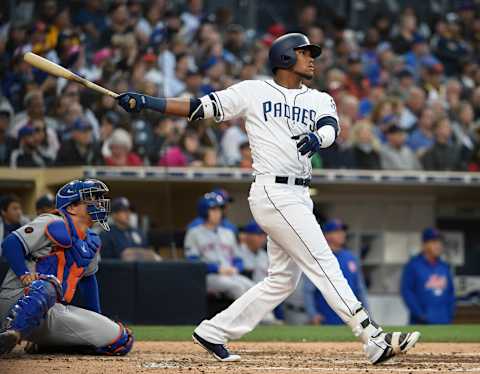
pixel 59 71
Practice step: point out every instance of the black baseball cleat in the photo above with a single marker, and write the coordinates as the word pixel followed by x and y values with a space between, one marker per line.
pixel 219 351
pixel 387 345
pixel 8 340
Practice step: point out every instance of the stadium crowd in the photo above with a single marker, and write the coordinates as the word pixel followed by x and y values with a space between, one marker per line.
pixel 407 90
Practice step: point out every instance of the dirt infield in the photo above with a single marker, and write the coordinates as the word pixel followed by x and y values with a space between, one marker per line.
pixel 271 358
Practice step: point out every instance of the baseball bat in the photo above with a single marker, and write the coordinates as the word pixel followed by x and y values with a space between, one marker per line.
pixel 59 71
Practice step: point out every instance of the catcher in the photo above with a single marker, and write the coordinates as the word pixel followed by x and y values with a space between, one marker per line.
pixel 50 258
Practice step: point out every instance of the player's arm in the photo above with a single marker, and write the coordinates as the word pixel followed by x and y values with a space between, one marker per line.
pixel 324 132
pixel 193 109
pixel 89 289
pixel 14 252
pixel 220 105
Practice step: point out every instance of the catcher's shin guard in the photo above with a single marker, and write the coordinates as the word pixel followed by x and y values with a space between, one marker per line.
pixel 30 309
pixel 121 345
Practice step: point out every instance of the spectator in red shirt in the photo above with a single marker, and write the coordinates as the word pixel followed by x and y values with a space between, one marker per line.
pixel 120 144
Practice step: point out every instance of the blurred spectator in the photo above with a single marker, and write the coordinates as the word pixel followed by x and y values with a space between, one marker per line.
pixel 187 153
pixel 80 149
pixel 218 248
pixel 449 46
pixel 233 137
pixel 340 155
pixel 462 131
pixel 395 155
pixel 443 155
pixel 45 204
pixel 28 153
pixel 7 143
pixel 92 19
pixel 427 284
pixel 11 215
pixel 365 147
pixel 120 144
pixel 403 41
pixel 246 161
pixel 422 137
pixel 124 241
pixel 109 121
pixel 46 138
pixel 415 102
pixel 253 243
pixel 34 110
pixel 117 24
pixel 209 158
pixel 357 84
pixel 315 304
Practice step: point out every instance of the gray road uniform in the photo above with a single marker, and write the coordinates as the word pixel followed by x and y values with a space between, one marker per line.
pixel 217 248
pixel 64 325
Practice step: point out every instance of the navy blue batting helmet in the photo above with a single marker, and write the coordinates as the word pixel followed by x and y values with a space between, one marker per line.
pixel 282 52
pixel 208 201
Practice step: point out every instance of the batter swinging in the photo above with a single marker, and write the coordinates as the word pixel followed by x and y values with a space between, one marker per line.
pixel 286 123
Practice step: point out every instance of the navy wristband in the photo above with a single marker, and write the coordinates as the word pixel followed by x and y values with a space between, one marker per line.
pixel 156 103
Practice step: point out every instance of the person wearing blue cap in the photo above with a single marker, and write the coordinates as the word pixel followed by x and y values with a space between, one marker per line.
pixel 253 243
pixel 427 284
pixel 124 241
pixel 225 222
pixel 27 154
pixel 218 248
pixel 80 149
pixel 45 204
pixel 317 308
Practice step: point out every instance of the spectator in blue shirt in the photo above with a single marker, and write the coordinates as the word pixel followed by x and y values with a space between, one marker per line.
pixel 124 241
pixel 226 223
pixel 422 138
pixel 427 284
pixel 318 310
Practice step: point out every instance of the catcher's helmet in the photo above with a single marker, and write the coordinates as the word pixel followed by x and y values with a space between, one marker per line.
pixel 208 201
pixel 90 191
pixel 282 52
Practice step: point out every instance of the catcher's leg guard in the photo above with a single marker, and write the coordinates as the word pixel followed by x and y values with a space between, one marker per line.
pixel 30 309
pixel 121 345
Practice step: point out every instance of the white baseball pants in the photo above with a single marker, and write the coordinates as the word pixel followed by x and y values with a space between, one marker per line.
pixel 295 244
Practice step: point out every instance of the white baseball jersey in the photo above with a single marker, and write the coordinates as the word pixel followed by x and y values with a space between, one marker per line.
pixel 215 246
pixel 273 115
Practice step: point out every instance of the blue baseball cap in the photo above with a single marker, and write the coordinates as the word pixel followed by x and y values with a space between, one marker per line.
pixel 223 193
pixel 334 225
pixel 81 125
pixel 431 233
pixel 120 204
pixel 26 131
pixel 252 227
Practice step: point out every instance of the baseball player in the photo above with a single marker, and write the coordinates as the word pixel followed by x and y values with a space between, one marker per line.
pixel 217 246
pixel 50 258
pixel 286 123
pixel 225 221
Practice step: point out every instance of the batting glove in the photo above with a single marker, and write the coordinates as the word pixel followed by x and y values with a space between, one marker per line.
pixel 308 144
pixel 132 102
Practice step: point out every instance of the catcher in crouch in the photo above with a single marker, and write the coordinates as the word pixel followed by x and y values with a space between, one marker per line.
pixel 50 258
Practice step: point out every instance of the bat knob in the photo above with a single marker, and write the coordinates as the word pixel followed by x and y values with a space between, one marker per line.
pixel 133 103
